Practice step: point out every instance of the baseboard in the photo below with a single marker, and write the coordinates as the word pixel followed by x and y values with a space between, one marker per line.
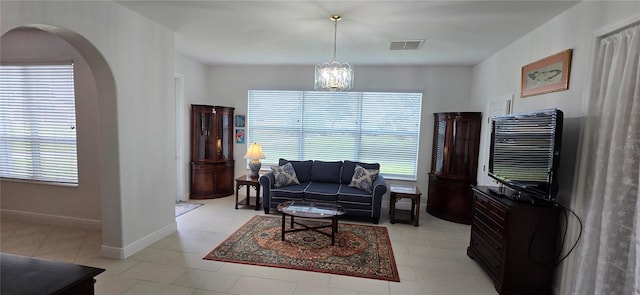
pixel 57 220
pixel 133 248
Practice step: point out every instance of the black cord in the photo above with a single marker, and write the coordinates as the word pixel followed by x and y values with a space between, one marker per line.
pixel 567 228
pixel 564 236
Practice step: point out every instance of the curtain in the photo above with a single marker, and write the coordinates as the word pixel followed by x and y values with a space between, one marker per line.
pixel 609 261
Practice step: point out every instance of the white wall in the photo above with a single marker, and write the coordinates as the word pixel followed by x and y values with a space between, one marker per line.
pixel 444 89
pixel 499 77
pixel 138 173
pixel 196 91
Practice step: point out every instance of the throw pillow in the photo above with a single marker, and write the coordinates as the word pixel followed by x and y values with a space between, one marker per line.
pixel 363 178
pixel 284 175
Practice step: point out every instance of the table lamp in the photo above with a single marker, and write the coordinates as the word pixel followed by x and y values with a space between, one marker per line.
pixel 255 154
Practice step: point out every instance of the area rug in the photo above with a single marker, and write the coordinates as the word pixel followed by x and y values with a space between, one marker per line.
pixel 184 207
pixel 360 250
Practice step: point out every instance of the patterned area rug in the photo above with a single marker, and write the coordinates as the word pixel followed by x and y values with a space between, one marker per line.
pixel 184 207
pixel 360 250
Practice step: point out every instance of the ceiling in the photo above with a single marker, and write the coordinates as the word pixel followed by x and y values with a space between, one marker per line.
pixel 299 32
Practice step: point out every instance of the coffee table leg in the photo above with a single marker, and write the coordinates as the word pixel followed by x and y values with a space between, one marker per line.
pixel 334 229
pixel 283 223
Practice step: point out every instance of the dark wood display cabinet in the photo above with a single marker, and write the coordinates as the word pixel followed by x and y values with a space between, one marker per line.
pixel 212 164
pixel 454 163
pixel 514 242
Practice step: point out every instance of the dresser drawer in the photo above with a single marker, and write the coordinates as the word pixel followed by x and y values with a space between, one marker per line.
pixel 495 249
pixel 497 212
pixel 492 260
pixel 484 223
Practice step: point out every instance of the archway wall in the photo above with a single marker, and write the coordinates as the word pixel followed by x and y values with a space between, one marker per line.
pixel 76 206
pixel 135 111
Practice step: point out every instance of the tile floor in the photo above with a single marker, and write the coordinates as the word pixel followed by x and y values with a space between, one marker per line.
pixel 431 259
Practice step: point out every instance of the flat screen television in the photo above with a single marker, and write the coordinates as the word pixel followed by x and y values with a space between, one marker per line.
pixel 525 153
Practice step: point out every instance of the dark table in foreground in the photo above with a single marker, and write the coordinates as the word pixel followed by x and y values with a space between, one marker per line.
pixel 27 275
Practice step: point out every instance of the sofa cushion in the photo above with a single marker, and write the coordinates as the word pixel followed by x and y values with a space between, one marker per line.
pixel 348 167
pixel 285 175
pixel 302 168
pixel 363 178
pixel 285 193
pixel 322 191
pixel 326 171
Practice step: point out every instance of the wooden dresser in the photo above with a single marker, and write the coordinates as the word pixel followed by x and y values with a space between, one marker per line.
pixel 514 242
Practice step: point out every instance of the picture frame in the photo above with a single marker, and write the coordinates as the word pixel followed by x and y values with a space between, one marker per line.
pixel 549 74
pixel 239 135
pixel 239 121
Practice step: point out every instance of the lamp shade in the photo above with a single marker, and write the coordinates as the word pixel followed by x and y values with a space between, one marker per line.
pixel 254 152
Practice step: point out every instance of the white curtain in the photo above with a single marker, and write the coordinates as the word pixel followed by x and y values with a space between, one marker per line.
pixel 609 256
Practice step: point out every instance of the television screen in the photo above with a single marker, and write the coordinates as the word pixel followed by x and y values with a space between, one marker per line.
pixel 525 152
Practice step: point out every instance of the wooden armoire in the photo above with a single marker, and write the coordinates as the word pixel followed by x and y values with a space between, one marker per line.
pixel 212 164
pixel 454 163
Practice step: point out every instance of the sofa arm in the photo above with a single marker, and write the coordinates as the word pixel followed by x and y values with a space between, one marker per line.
pixel 379 186
pixel 266 181
pixel 379 189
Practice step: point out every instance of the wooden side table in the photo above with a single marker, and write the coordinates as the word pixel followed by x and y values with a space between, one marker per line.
pixel 249 182
pixel 398 192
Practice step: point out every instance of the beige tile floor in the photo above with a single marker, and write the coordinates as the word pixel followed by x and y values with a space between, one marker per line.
pixel 431 259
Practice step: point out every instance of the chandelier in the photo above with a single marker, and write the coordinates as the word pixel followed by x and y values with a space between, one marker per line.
pixel 334 76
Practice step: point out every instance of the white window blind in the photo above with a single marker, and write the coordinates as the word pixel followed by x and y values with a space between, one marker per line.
pixel 38 123
pixel 370 127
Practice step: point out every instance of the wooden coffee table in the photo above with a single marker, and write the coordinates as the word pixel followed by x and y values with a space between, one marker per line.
pixel 306 209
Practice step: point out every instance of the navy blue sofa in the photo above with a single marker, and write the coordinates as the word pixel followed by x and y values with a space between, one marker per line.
pixel 326 182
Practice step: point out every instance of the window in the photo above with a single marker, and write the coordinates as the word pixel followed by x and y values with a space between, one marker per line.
pixel 38 123
pixel 368 127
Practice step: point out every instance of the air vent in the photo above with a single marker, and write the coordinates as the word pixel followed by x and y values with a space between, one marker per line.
pixel 406 45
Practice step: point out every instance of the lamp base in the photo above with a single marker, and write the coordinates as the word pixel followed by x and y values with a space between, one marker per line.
pixel 254 166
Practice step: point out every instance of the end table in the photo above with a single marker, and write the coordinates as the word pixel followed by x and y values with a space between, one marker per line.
pixel 398 192
pixel 249 182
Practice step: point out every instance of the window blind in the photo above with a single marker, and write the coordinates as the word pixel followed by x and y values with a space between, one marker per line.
pixel 379 127
pixel 38 123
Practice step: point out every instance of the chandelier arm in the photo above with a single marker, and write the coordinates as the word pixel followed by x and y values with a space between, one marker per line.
pixel 335 37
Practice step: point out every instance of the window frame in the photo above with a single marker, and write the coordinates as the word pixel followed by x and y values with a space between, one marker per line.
pixel 264 123
pixel 38 111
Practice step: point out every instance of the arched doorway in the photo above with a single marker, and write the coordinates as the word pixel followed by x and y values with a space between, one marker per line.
pixel 96 201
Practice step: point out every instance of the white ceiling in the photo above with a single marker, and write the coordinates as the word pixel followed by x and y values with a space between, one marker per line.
pixel 299 32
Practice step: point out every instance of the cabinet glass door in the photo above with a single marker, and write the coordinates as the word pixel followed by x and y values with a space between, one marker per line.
pixel 463 134
pixel 439 145
pixel 225 134
pixel 203 133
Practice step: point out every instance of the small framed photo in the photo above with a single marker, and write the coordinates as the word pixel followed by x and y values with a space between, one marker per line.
pixel 549 74
pixel 239 121
pixel 240 135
